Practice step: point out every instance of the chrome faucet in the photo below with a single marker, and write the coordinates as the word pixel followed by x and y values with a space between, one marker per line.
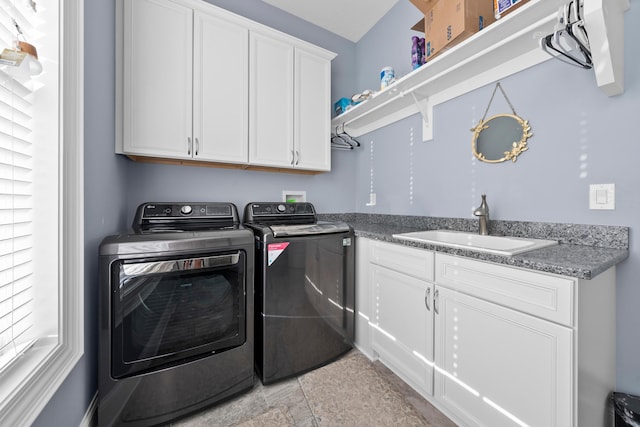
pixel 482 212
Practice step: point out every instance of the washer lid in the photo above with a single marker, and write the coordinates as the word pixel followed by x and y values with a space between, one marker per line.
pixel 309 229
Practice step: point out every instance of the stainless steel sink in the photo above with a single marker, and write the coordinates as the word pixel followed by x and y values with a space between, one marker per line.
pixel 472 241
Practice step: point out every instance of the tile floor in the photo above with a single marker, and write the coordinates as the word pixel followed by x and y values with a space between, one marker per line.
pixel 351 391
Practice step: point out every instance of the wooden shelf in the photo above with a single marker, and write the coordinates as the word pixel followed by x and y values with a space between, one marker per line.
pixel 506 47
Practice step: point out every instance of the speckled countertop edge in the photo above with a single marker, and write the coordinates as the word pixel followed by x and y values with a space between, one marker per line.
pixel 584 250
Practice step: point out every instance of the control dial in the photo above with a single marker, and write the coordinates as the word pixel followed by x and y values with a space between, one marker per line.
pixel 281 208
pixel 185 210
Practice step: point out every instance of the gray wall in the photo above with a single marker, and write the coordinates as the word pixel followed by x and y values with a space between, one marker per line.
pixel 329 192
pixel 581 137
pixel 105 183
pixel 114 185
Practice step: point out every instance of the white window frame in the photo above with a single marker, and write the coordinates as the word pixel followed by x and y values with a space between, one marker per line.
pixel 49 366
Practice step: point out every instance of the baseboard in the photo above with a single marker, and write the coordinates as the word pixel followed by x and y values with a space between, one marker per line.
pixel 370 354
pixel 90 418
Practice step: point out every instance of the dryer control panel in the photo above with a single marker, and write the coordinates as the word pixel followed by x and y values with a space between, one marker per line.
pixel 165 216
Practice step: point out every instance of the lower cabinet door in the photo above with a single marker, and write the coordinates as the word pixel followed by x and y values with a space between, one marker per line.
pixel 499 367
pixel 402 325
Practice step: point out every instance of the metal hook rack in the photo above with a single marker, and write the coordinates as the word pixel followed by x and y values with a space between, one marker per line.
pixel 569 42
pixel 341 140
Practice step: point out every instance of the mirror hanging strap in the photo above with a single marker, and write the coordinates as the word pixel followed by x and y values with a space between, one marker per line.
pixel 498 86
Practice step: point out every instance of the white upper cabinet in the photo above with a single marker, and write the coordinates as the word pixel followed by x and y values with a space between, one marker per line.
pixel 220 90
pixel 290 98
pixel 185 83
pixel 157 102
pixel 271 89
pixel 312 91
pixel 198 83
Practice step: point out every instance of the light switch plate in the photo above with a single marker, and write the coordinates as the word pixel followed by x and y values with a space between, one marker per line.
pixel 602 196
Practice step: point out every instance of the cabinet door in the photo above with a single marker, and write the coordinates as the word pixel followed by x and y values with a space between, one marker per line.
pixel 312 111
pixel 363 298
pixel 157 78
pixel 402 325
pixel 271 102
pixel 221 90
pixel 500 367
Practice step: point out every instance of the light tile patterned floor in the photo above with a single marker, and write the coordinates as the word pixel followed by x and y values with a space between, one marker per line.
pixel 351 391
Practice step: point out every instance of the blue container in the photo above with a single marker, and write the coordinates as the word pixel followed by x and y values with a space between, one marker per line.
pixel 341 105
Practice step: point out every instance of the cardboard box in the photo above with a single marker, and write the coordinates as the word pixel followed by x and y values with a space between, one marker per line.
pixel 448 22
pixel 502 7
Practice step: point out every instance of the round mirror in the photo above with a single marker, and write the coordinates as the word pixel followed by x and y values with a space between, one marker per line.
pixel 499 138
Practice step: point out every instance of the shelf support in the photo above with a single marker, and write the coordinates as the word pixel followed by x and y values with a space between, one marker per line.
pixel 604 21
pixel 498 51
pixel 426 111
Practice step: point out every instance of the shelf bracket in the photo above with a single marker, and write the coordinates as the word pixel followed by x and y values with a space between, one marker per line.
pixel 335 132
pixel 604 21
pixel 426 111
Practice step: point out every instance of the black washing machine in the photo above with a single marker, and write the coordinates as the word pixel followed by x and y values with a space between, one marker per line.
pixel 176 313
pixel 305 288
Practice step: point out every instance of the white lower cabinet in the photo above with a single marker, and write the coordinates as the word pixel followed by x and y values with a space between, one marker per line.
pixel 488 344
pixel 363 299
pixel 403 325
pixel 499 367
pixel 402 311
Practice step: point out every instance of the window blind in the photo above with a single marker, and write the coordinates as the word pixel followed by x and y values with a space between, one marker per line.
pixel 16 188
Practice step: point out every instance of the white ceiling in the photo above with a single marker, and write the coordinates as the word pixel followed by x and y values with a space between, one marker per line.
pixel 350 19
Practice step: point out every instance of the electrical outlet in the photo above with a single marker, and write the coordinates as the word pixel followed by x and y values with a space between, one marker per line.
pixel 602 196
pixel 372 199
pixel 294 196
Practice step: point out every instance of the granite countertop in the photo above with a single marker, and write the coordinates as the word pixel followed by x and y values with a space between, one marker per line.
pixel 584 251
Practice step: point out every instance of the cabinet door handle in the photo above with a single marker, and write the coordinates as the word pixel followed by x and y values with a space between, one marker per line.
pixel 436 299
pixel 293 157
pixel 427 297
pixel 197 146
pixel 189 145
pixel 297 157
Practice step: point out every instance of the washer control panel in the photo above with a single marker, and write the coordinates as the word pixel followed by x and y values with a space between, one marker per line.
pixel 261 212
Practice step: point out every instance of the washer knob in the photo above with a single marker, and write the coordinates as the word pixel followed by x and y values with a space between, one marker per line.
pixel 185 210
pixel 281 208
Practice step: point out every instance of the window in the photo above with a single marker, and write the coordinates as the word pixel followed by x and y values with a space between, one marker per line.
pixel 41 215
pixel 16 194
